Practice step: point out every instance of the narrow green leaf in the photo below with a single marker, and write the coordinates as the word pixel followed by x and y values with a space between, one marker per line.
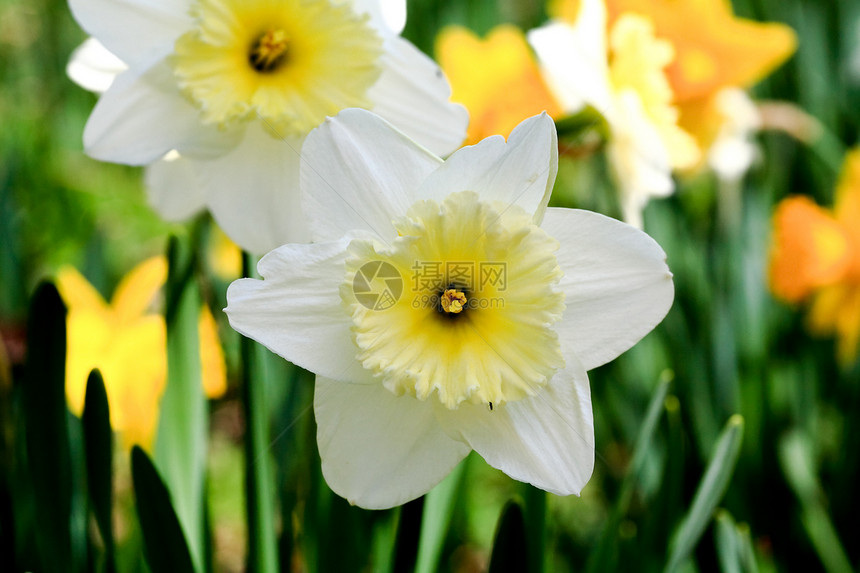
pixel 709 493
pixel 510 547
pixel 163 541
pixel 181 441
pixel 436 519
pixel 796 458
pixel 604 554
pixel 729 544
pixel 47 432
pixel 98 447
pixel 259 490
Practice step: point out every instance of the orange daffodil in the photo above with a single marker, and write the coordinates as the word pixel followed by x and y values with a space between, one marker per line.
pixel 816 255
pixel 496 78
pixel 620 71
pixel 219 95
pixel 667 76
pixel 716 55
pixel 127 343
pixel 445 308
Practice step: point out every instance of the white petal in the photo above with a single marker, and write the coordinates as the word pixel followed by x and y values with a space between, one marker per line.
pixel 358 172
pixel 172 188
pixel 296 310
pixel 253 191
pixel 519 172
pixel 142 117
pixel 546 440
pixel 379 450
pixel 616 282
pixel 94 67
pixel 413 94
pixel 638 156
pixel 139 32
pixel 388 16
pixel 574 59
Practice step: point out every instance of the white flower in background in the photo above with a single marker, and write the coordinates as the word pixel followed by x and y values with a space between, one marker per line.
pixel 734 149
pixel 445 308
pixel 622 76
pixel 227 91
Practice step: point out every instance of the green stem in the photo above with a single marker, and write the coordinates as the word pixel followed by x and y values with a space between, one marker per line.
pixel 262 543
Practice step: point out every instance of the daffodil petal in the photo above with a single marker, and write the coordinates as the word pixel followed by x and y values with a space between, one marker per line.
pixel 519 172
pixel 296 310
pixel 252 191
pixel 387 16
pixel 413 94
pixel 379 450
pixel 616 282
pixel 359 172
pixel 546 440
pixel 574 60
pixel 94 67
pixel 172 188
pixel 143 116
pixel 139 32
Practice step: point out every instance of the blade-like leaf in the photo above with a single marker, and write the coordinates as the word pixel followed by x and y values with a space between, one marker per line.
pixel 163 541
pixel 98 445
pixel 180 449
pixel 709 493
pixel 438 509
pixel 47 432
pixel 510 547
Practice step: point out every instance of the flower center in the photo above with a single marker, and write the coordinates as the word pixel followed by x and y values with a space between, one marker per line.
pixel 269 51
pixel 290 63
pixel 453 301
pixel 479 274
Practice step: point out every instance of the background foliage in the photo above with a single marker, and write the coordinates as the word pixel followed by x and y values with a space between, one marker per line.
pixel 725 439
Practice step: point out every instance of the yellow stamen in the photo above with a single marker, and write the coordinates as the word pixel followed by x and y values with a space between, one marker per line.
pixel 269 51
pixel 453 301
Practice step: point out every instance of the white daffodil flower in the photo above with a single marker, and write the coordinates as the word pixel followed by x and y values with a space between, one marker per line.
pixel 734 150
pixel 232 88
pixel 445 308
pixel 629 88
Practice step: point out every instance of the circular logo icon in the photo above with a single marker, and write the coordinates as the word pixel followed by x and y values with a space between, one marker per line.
pixel 377 285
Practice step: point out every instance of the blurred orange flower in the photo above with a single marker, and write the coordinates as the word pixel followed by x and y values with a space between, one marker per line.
pixel 816 255
pixel 496 78
pixel 127 341
pixel 715 51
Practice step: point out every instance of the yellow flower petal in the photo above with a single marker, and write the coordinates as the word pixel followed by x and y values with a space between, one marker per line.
pixel 810 249
pixel 77 292
pixel 136 291
pixel 213 369
pixel 496 78
pixel 836 310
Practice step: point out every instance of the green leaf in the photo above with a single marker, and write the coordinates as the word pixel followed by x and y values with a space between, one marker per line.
pixel 181 441
pixel 709 493
pixel 734 547
pixel 98 446
pixel 436 519
pixel 604 554
pixel 796 458
pixel 163 541
pixel 510 547
pixel 259 490
pixel 47 432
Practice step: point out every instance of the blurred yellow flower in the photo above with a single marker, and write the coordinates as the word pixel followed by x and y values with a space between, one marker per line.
pixel 816 253
pixel 496 78
pixel 126 341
